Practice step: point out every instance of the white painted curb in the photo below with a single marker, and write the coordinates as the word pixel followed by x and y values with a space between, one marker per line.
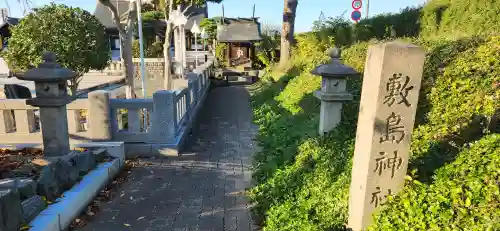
pixel 59 215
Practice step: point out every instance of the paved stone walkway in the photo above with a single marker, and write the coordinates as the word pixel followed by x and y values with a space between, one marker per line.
pixel 202 190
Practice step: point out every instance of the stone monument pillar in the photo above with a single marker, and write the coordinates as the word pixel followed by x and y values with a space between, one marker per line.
pixel 51 97
pixel 391 84
pixel 333 90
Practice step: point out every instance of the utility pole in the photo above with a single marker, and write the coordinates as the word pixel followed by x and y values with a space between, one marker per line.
pixel 367 8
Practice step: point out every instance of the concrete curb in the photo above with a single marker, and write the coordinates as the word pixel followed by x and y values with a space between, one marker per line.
pixel 59 215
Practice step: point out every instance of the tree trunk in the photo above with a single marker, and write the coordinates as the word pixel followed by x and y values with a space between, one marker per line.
pixel 167 56
pixel 128 64
pixel 128 55
pixel 125 43
pixel 73 84
pixel 287 31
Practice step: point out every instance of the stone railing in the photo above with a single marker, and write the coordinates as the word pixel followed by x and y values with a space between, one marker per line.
pixel 168 117
pixel 115 66
pixel 19 121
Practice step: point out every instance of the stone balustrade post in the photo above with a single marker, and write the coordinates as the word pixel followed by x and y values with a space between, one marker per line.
pixel 199 85
pixel 164 117
pixel 333 90
pixel 195 86
pixel 99 116
pixel 190 95
pixel 204 77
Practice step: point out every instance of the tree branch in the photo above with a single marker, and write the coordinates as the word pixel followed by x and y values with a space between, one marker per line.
pixel 187 8
pixel 131 12
pixel 116 17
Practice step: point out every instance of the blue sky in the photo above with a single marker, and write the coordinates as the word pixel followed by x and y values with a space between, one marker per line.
pixel 269 11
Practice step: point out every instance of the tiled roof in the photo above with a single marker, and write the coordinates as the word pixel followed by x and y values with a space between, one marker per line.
pixel 10 21
pixel 238 30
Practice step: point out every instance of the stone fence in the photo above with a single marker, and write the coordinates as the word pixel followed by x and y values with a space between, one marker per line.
pixel 117 66
pixel 152 126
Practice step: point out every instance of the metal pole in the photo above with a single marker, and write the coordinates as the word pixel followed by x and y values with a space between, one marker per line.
pixel 141 50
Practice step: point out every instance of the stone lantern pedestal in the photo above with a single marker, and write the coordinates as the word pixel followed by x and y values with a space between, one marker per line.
pixel 51 97
pixel 333 90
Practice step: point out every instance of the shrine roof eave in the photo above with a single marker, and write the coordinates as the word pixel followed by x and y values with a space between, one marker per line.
pixel 239 41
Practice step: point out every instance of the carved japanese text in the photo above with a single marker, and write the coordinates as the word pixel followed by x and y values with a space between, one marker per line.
pixel 398 90
pixel 385 163
pixel 393 129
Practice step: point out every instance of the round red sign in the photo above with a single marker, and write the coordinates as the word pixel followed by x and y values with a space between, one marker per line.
pixel 357 4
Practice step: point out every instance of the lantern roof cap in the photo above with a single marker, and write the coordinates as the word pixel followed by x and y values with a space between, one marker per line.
pixel 48 71
pixel 335 68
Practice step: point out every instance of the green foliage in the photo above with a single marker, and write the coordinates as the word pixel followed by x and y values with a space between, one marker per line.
pixel 300 174
pixel 210 26
pixel 136 50
pixel 154 50
pixel 220 53
pixel 437 18
pixel 303 180
pixel 267 49
pixel 310 51
pixel 338 27
pixel 459 18
pixel 75 35
pixel 153 15
pixel 405 24
pixel 464 195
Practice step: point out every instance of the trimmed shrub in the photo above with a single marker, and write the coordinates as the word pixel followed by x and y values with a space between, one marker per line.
pixel 460 18
pixel 404 24
pixel 464 196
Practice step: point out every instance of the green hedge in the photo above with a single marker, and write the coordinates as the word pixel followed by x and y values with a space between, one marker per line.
pixel 464 195
pixel 458 18
pixel 405 24
pixel 437 18
pixel 303 180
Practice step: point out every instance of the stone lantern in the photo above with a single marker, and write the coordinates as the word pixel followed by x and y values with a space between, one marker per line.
pixel 51 97
pixel 333 90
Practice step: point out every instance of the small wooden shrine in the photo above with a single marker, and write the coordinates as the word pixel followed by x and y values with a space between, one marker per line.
pixel 240 35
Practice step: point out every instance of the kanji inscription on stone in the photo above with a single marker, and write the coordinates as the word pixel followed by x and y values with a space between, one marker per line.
pixel 379 197
pixel 397 90
pixel 391 84
pixel 385 163
pixel 394 129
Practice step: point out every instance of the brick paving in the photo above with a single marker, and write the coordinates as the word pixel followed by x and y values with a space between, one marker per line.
pixel 202 189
